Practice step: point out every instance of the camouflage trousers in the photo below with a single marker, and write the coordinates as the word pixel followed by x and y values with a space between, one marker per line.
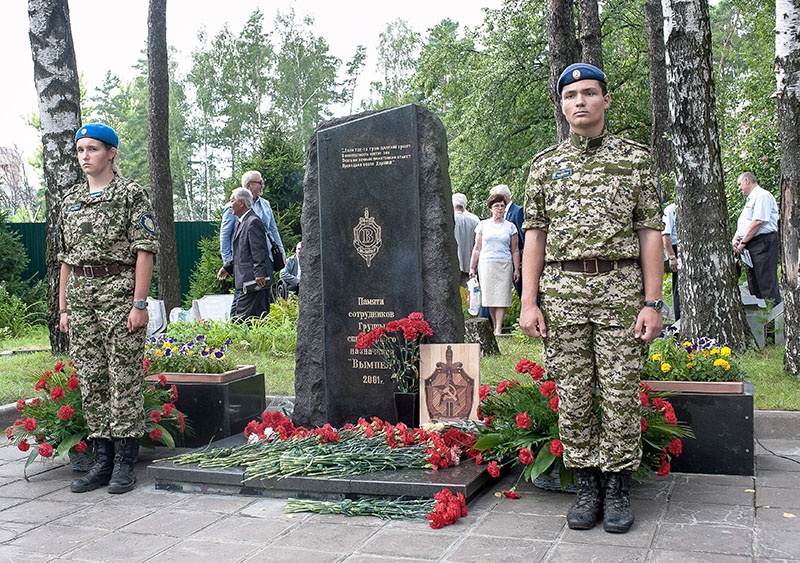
pixel 591 350
pixel 109 359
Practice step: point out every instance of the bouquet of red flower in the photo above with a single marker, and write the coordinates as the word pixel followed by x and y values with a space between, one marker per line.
pixel 398 342
pixel 52 424
pixel 521 426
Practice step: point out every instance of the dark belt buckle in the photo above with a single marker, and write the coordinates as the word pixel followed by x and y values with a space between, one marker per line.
pixel 587 263
pixel 91 273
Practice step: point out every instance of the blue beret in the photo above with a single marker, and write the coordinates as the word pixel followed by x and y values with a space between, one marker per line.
pixel 579 71
pixel 100 132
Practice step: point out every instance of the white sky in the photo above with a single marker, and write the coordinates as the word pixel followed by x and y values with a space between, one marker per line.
pixel 110 36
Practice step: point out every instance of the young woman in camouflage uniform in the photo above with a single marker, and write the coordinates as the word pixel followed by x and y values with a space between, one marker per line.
pixel 108 239
pixel 592 272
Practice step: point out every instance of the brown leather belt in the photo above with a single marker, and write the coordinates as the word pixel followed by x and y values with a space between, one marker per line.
pixel 593 266
pixel 101 270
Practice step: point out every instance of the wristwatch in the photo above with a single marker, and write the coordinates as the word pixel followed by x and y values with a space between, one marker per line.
pixel 658 305
pixel 140 303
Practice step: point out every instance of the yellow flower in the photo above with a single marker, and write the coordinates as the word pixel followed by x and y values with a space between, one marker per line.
pixel 723 363
pixel 655 357
pixel 665 367
pixel 686 344
pixel 725 352
pixel 689 365
pixel 714 351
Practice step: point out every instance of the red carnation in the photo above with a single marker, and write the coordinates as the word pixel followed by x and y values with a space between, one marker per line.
pixel 644 424
pixel 72 384
pixel 59 366
pixel 537 372
pixel 493 469
pixel 675 447
pixel 146 364
pixel 525 456
pixel 483 392
pixel 45 449
pixel 41 384
pixel 556 447
pixel 155 435
pixel 501 387
pixel 554 403
pixel 30 424
pixel 523 420
pixel 58 393
pixel 664 470
pixel 66 412
pixel 167 408
pixel 547 388
pixel 162 379
pixel 511 494
pixel 644 399
pixel 20 405
pixel 81 446
pixel 24 446
pixel 155 416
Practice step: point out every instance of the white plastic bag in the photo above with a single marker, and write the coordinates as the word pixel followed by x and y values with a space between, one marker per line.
pixel 473 296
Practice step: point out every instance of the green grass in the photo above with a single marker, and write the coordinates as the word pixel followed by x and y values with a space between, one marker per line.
pixel 773 389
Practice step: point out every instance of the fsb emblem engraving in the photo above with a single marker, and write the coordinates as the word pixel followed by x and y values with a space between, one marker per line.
pixel 367 237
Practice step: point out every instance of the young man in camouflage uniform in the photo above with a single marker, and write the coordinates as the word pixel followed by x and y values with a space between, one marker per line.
pixel 108 242
pixel 592 272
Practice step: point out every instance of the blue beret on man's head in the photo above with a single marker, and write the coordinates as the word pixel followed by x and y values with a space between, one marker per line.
pixel 100 132
pixel 579 71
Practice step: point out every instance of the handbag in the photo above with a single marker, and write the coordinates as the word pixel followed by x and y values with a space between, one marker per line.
pixel 278 263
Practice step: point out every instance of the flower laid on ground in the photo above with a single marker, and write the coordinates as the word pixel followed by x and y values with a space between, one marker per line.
pixel 443 510
pixel 398 343
pixel 52 423
pixel 280 449
pixel 521 427
pixel 165 354
pixel 704 360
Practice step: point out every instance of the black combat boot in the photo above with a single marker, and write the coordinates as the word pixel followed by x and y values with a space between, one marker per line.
pixel 585 513
pixel 123 478
pixel 618 514
pixel 100 472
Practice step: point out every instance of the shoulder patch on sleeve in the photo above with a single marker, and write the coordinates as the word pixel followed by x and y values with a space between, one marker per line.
pixel 148 223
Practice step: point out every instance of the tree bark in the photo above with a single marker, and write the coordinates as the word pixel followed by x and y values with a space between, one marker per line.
pixel 660 146
pixel 787 68
pixel 169 289
pixel 564 50
pixel 56 78
pixel 711 302
pixel 591 33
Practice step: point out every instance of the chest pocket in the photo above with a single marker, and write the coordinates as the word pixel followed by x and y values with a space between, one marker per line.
pixel 622 181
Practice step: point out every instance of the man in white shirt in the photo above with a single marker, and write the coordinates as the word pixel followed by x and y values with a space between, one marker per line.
pixel 669 238
pixel 465 223
pixel 757 234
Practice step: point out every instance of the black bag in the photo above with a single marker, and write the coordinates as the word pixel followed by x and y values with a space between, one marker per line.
pixel 278 263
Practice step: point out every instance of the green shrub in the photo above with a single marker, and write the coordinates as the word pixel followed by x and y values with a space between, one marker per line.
pixel 203 280
pixel 276 333
pixel 15 315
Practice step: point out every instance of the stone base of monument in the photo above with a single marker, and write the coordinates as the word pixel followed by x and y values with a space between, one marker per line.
pixel 468 479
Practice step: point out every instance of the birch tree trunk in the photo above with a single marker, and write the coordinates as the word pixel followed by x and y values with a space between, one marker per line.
pixel 787 70
pixel 660 145
pixel 56 78
pixel 711 302
pixel 564 50
pixel 169 284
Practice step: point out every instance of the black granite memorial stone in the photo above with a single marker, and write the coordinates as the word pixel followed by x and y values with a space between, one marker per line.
pixel 370 252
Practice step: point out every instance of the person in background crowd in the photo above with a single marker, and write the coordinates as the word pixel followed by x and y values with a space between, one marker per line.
pixel 592 272
pixel 253 181
pixel 669 238
pixel 495 260
pixel 291 273
pixel 757 235
pixel 108 240
pixel 250 264
pixel 465 223
pixel 516 215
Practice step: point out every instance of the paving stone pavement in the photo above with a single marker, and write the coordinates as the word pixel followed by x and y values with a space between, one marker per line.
pixel 683 517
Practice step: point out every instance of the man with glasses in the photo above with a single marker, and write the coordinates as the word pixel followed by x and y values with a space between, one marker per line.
pixel 253 181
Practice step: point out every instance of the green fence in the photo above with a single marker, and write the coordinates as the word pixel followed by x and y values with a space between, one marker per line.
pixel 187 235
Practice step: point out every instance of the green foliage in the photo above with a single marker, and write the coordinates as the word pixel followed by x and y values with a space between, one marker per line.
pixel 13 257
pixel 15 315
pixel 164 353
pixel 203 279
pixel 276 333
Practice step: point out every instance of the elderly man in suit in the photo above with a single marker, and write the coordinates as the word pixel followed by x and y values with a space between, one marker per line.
pixel 250 264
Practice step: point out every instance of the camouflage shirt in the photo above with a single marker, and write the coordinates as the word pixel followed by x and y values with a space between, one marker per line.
pixel 110 226
pixel 591 195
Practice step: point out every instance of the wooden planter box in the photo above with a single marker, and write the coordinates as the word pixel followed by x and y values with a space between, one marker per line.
pixel 721 417
pixel 218 405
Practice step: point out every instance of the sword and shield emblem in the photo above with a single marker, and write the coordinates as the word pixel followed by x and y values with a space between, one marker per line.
pixel 449 390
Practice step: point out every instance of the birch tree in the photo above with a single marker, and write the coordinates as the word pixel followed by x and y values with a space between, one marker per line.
pixel 564 50
pixel 787 70
pixel 712 304
pixel 660 145
pixel 56 78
